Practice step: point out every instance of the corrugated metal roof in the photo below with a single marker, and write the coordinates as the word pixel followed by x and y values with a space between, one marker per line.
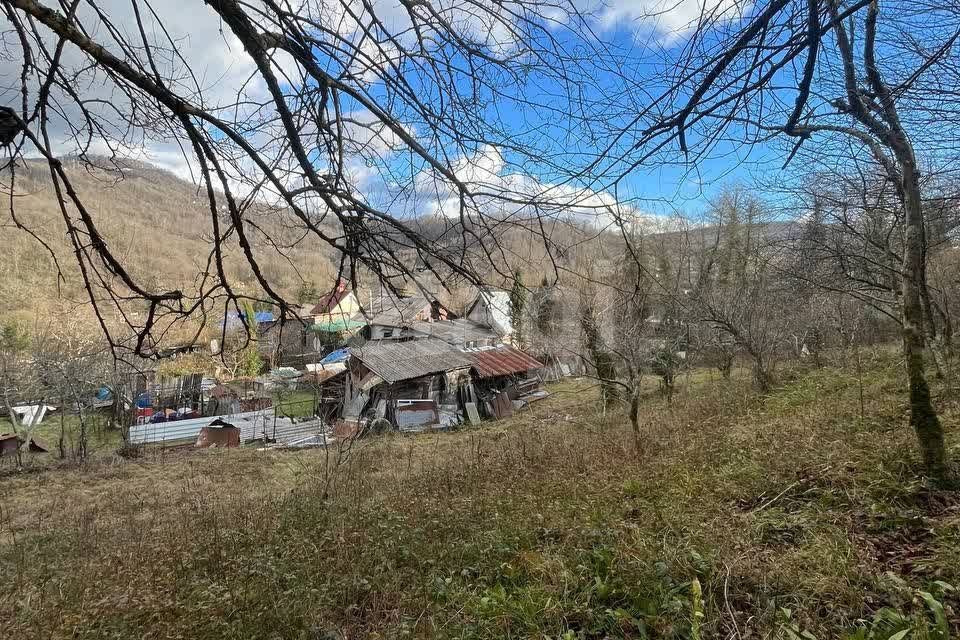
pixel 188 429
pixel 394 361
pixel 391 311
pixel 502 361
pixel 457 332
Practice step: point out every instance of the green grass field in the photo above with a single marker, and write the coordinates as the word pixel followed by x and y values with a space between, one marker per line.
pixel 786 516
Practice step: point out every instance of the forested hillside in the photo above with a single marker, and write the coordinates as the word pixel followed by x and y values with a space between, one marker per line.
pixel 157 222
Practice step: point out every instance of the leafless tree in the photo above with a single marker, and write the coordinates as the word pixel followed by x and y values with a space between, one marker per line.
pixel 864 73
pixel 738 292
pixel 16 381
pixel 633 326
pixel 70 367
pixel 851 242
pixel 333 90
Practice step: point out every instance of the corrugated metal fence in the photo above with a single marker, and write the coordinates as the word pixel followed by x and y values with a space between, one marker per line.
pixel 253 425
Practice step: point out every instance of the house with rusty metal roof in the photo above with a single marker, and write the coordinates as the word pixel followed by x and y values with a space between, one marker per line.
pixel 504 378
pixel 502 360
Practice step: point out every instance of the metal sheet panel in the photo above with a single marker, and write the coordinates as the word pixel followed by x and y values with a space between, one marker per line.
pixel 187 429
pixel 458 332
pixel 502 361
pixel 395 361
pixel 286 432
pixel 415 415
pixel 502 405
pixel 391 311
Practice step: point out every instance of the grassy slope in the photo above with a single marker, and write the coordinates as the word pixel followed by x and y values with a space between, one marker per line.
pixel 543 526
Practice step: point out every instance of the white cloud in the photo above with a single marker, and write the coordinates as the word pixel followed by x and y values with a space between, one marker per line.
pixel 669 20
pixel 505 193
pixel 221 73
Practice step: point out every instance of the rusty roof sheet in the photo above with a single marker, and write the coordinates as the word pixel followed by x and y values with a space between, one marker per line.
pixel 330 300
pixel 502 361
pixel 394 361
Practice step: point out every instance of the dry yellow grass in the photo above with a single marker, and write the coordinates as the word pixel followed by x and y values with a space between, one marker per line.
pixel 544 525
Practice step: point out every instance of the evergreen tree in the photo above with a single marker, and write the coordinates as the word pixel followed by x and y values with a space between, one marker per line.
pixel 250 361
pixel 547 311
pixel 308 292
pixel 518 301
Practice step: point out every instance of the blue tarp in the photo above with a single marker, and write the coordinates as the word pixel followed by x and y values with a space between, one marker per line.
pixel 235 320
pixel 340 355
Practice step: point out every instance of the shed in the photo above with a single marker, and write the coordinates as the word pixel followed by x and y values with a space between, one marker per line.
pixel 505 379
pixel 388 376
pixel 10 442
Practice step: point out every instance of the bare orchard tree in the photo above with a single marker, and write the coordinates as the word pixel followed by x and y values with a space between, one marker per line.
pixel 738 292
pixel 822 74
pixel 18 383
pixel 333 124
pixel 72 367
pixel 630 326
pixel 851 242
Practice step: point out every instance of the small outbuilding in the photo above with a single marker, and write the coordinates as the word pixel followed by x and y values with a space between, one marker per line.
pixel 386 376
pixel 505 378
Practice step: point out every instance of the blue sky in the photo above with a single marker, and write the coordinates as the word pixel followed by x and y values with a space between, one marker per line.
pixel 557 140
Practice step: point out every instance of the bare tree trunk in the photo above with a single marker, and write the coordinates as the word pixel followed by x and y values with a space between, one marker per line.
pixel 13 424
pixel 923 417
pixel 760 376
pixel 934 342
pixel 726 365
pixel 61 441
pixel 635 417
pixel 82 443
pixel 856 349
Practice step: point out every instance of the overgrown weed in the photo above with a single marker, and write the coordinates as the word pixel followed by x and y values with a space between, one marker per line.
pixel 549 525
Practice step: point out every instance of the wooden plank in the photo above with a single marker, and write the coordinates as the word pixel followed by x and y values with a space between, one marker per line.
pixel 472 413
